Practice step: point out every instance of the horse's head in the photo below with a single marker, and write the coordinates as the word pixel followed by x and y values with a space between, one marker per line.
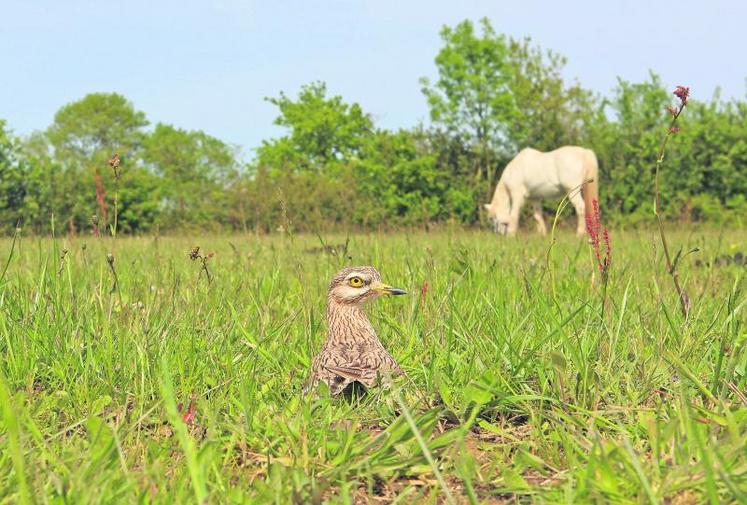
pixel 498 219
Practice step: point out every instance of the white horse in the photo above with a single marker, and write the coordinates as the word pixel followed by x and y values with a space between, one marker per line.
pixel 534 175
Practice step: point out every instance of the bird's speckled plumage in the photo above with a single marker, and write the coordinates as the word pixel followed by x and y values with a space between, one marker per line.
pixel 352 352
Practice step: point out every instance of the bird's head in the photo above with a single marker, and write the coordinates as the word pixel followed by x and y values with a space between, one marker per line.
pixel 356 285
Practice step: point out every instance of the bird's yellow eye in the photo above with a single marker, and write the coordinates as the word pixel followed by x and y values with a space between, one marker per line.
pixel 356 282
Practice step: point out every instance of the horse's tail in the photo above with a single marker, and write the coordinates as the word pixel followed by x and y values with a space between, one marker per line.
pixel 590 189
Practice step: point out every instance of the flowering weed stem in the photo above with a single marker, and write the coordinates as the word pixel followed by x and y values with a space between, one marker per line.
pixel 683 93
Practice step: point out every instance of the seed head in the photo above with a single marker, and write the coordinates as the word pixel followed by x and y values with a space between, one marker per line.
pixel 597 235
pixel 114 161
pixel 683 93
pixel 423 292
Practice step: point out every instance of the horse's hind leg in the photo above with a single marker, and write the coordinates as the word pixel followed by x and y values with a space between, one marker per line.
pixel 537 214
pixel 578 203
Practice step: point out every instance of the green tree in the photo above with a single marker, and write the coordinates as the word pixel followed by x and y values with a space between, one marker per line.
pixel 549 113
pixel 83 136
pixel 627 155
pixel 309 171
pixel 403 182
pixel 472 96
pixel 48 191
pixel 321 131
pixel 88 131
pixel 12 183
pixel 195 168
pixel 706 172
pixel 140 193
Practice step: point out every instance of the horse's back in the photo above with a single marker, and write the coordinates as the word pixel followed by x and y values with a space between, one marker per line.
pixel 574 164
pixel 533 173
pixel 571 155
pixel 552 173
pixel 530 158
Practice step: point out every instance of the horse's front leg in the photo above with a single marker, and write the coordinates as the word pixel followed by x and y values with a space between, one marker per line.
pixel 517 202
pixel 537 214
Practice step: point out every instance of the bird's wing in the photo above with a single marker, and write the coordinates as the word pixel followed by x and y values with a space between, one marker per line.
pixel 361 372
pixel 339 368
pixel 354 372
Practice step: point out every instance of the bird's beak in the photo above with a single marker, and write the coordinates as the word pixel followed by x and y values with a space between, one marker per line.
pixel 385 289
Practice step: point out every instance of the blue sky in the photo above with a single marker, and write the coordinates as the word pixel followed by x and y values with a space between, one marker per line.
pixel 207 65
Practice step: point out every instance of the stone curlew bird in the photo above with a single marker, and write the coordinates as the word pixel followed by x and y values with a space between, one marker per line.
pixel 352 352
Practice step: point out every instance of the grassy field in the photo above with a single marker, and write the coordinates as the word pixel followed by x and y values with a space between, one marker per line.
pixel 516 390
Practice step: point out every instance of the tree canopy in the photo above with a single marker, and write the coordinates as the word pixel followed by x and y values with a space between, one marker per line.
pixel 96 126
pixel 321 130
